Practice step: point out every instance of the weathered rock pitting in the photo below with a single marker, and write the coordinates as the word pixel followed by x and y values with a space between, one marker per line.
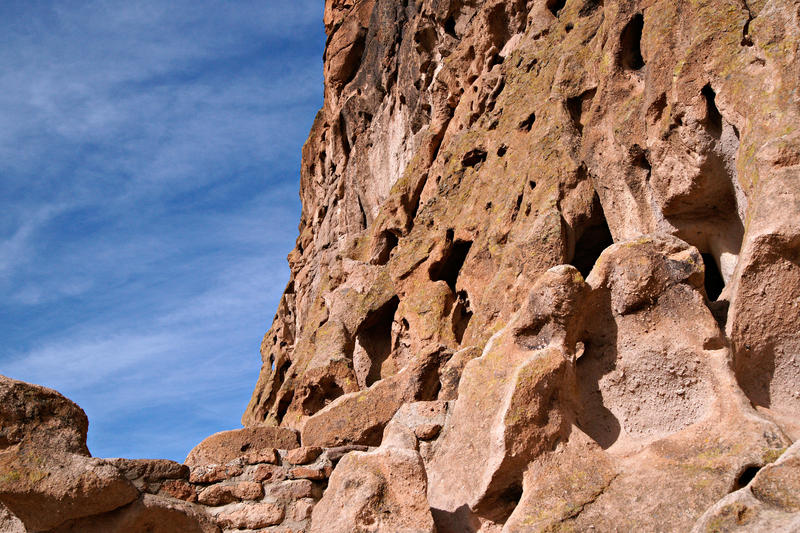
pixel 547 278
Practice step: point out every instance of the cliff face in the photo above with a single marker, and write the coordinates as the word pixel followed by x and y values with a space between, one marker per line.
pixel 467 149
pixel 547 278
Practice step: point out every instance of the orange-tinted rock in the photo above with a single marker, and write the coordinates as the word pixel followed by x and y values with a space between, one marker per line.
pixel 179 489
pixel 303 455
pixel 226 446
pixel 268 473
pixel 32 413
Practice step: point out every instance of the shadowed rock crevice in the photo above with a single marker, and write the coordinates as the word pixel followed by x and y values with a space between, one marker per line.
pixel 449 267
pixel 555 6
pixel 630 54
pixel 374 342
pixel 578 107
pixel 713 278
pixel 592 238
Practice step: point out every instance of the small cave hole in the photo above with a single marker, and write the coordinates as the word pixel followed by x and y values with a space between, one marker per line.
pixel 532 184
pixel 555 6
pixel 449 267
pixel 568 28
pixel 502 150
pixel 508 500
pixel 387 242
pixel 527 124
pixel 462 314
pixel 592 240
pixel 578 106
pixel 745 477
pixel 517 206
pixel 283 406
pixel 321 395
pixel 450 27
pixel 713 278
pixel 474 157
pixel 488 205
pixel 630 57
pixel 375 337
pixel 713 116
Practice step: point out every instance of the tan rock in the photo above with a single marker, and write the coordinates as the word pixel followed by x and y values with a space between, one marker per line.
pixel 220 494
pixel 9 522
pixel 425 419
pixel 383 490
pixel 359 418
pixel 250 516
pixel 513 403
pixel 44 488
pixel 30 413
pixel 150 514
pixel 303 455
pixel 294 489
pixel 214 473
pixel 302 510
pixel 767 503
pixel 226 446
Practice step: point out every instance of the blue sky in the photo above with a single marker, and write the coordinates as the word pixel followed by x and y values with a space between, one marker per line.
pixel 149 174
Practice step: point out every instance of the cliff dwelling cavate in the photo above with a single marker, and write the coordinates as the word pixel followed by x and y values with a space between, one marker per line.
pixel 630 55
pixel 448 268
pixel 468 380
pixel 592 238
pixel 374 339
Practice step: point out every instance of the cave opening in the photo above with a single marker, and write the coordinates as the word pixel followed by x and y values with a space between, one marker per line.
pixel 450 27
pixel 450 265
pixel 630 57
pixel 745 477
pixel 527 123
pixel 462 314
pixel 321 394
pixel 713 116
pixel 555 6
pixel 374 336
pixel 714 283
pixel 578 106
pixel 591 239
pixel 387 241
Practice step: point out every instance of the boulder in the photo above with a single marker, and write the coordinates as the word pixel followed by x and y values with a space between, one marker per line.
pixel 32 413
pixel 382 490
pixel 359 417
pixel 225 446
pixel 148 514
pixel 45 490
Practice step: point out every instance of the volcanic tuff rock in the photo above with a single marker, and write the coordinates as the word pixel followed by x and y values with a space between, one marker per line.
pixel 548 263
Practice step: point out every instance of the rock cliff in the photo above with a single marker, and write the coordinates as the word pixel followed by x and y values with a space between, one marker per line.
pixel 547 278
